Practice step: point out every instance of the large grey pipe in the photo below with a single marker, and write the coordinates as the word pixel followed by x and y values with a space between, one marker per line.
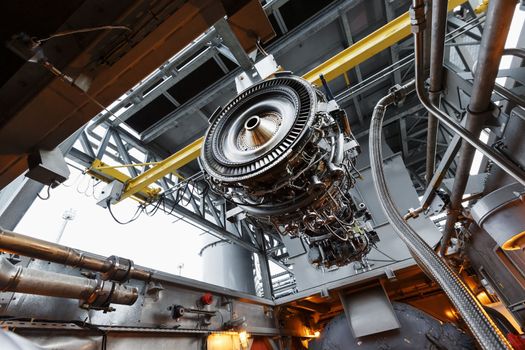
pixel 495 33
pixel 439 22
pixel 112 268
pixel 497 158
pixel 94 292
pixel 483 329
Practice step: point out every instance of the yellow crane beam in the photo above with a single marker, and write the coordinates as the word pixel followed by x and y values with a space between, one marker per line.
pixel 138 187
pixel 163 168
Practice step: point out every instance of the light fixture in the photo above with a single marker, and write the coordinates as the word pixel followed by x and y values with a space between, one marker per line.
pixel 243 337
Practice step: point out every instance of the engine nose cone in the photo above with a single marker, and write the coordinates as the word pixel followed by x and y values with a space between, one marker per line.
pixel 252 123
pixel 258 131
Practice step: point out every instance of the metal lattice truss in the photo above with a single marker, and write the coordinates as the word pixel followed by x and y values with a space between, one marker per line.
pixel 111 140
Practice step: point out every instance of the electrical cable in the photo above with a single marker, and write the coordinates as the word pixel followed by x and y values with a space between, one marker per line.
pixel 156 206
pixel 388 256
pixel 213 244
pixel 79 186
pixel 139 210
pixel 259 46
pixel 381 260
pixel 82 30
pixel 97 196
pixel 48 194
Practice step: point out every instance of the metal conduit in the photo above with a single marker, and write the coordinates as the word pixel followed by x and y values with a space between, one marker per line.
pixel 112 268
pixel 518 52
pixel 503 162
pixel 403 62
pixel 482 327
pixel 439 22
pixel 495 33
pixel 93 292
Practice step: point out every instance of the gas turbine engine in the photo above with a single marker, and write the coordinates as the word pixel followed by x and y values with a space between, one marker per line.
pixel 285 154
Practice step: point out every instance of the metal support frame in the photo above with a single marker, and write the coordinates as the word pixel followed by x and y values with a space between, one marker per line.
pixel 198 210
pixel 204 210
pixel 386 36
pixel 208 212
pixel 345 27
pixel 166 83
pixel 233 44
pixel 169 165
pixel 167 74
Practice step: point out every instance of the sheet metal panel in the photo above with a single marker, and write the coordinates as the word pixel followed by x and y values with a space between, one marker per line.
pixel 369 311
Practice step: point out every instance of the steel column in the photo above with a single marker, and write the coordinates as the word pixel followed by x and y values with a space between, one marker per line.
pixel 438 24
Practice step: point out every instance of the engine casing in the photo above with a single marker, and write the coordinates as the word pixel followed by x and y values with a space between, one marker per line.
pixel 285 154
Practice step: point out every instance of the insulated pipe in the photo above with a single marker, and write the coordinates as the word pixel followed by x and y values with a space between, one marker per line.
pixel 94 292
pixel 439 22
pixel 495 33
pixel 482 327
pixel 112 268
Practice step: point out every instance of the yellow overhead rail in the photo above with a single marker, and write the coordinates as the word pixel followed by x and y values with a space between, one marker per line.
pixel 386 36
pixel 107 173
pixel 138 187
pixel 163 168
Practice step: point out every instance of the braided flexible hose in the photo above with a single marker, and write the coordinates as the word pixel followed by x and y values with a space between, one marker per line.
pixel 482 327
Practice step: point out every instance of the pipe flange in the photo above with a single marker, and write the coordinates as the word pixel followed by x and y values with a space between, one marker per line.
pixel 485 114
pixel 399 94
pixel 120 269
pixel 100 298
pixel 417 18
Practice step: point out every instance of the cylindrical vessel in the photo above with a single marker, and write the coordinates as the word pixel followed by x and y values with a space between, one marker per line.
pixel 228 265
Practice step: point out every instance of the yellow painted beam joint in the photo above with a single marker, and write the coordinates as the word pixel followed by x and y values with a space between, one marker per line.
pixel 107 173
pixel 482 7
pixel 163 168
